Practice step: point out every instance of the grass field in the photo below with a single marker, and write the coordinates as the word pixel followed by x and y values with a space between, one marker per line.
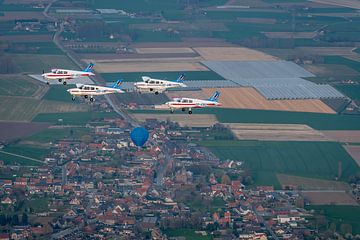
pixel 315 120
pixel 76 118
pixel 352 91
pixel 17 85
pixel 189 234
pixel 59 93
pixel 24 108
pixel 308 159
pixel 343 61
pixel 26 151
pixel 46 48
pixel 36 63
pixel 136 76
pixel 341 214
pixel 51 134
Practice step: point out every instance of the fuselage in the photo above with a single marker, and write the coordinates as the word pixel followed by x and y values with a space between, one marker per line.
pixel 92 90
pixel 156 85
pixel 180 103
pixel 56 74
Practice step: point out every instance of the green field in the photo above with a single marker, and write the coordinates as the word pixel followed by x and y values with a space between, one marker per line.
pixel 341 215
pixel 266 158
pixel 48 48
pixel 59 93
pixel 189 234
pixel 352 91
pixel 18 8
pixel 51 134
pixel 342 61
pixel 318 121
pixel 151 36
pixel 17 85
pixel 76 118
pixel 36 63
pixel 136 76
pixel 26 151
pixel 21 109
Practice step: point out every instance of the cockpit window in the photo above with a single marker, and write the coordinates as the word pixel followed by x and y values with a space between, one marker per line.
pixel 185 101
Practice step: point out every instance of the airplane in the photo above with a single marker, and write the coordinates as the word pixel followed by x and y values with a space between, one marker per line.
pixel 158 86
pixel 62 74
pixel 190 103
pixel 93 90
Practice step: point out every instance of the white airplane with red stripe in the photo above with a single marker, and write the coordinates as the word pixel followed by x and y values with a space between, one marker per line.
pixel 157 85
pixel 190 103
pixel 63 74
pixel 89 91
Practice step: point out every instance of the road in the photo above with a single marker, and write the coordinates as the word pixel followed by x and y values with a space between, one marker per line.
pixel 97 79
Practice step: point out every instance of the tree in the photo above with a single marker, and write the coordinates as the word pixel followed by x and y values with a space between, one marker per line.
pixel 86 139
pixel 225 179
pixel 345 228
pixel 24 219
pixel 15 220
pixel 3 221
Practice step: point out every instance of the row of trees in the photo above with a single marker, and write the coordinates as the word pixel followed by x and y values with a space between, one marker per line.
pixel 14 220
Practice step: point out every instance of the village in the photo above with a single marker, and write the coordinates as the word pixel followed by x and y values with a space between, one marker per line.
pixel 109 188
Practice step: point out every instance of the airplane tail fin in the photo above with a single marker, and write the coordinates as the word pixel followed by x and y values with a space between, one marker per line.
pixel 215 96
pixel 117 84
pixel 89 68
pixel 181 78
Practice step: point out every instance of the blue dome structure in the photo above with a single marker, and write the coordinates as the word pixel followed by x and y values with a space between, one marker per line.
pixel 139 136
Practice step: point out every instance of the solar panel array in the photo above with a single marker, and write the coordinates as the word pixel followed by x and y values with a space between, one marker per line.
pixel 273 79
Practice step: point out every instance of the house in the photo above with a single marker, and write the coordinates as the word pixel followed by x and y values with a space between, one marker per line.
pixel 4 236
pixel 75 201
pixel 7 200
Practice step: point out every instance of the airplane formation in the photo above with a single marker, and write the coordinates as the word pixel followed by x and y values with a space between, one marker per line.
pixel 147 85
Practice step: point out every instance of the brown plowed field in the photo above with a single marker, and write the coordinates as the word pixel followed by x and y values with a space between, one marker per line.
pixel 275 132
pixel 249 98
pixel 232 53
pixel 354 152
pixel 148 66
pixel 329 198
pixel 13 130
pixel 343 135
pixel 311 183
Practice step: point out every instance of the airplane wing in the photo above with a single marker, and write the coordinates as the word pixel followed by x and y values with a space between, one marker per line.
pixel 79 85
